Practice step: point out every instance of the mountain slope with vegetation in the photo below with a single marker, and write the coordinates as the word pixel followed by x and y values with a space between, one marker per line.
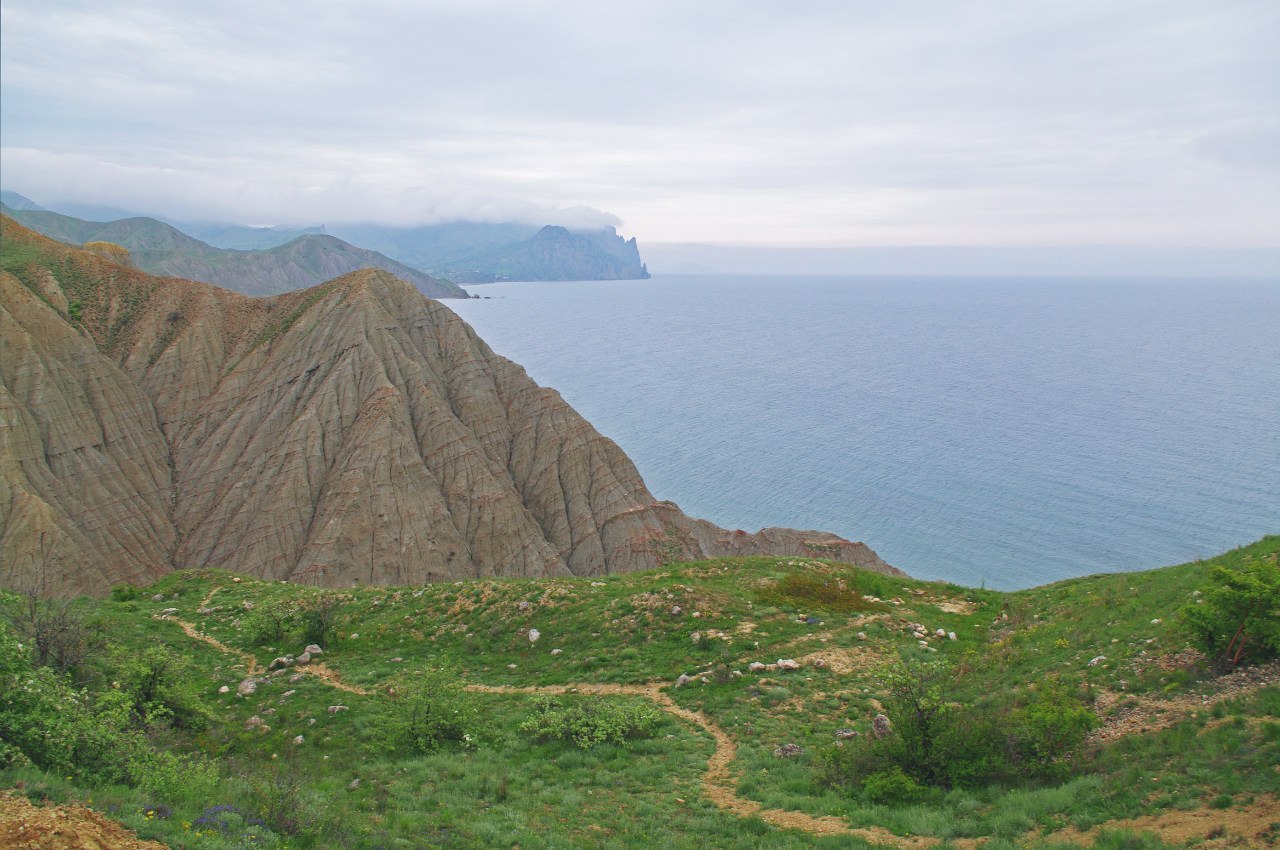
pixel 712 704
pixel 160 249
pixel 354 432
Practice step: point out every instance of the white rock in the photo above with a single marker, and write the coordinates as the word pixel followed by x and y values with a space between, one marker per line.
pixel 695 637
pixel 288 693
pixel 940 633
pixel 755 667
pixel 168 611
pixel 334 709
pixel 951 635
pixel 247 687
pixel 534 634
pixel 788 664
pixel 315 650
pixel 304 658
pixel 297 740
pixel 682 680
pixel 1096 660
pixel 556 651
pixel 862 635
pixel 224 689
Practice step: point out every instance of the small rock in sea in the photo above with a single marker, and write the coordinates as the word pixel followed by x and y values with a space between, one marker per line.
pixel 353 785
pixel 224 689
pixel 556 651
pixel 334 709
pixel 881 727
pixel 682 680
pixel 312 649
pixel 788 664
pixel 862 635
pixel 297 740
pixel 534 634
pixel 159 597
pixel 247 687
pixel 695 637
pixel 1096 660
pixel 788 751
pixel 845 734
pixel 755 667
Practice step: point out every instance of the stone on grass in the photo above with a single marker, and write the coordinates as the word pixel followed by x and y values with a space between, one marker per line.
pixel 334 709
pixel 159 597
pixel 224 689
pixel 819 663
pixel 683 680
pixel 353 785
pixel 247 687
pixel 881 727
pixel 862 635
pixel 788 664
pixel 296 678
pixel 845 734
pixel 788 751
pixel 1096 660
pixel 297 740
pixel 312 649
pixel 304 658
pixel 534 634
pixel 556 651
pixel 168 612
pixel 755 667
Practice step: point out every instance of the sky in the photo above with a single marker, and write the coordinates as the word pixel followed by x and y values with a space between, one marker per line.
pixel 808 124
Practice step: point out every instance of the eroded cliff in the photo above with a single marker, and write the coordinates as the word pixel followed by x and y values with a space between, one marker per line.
pixel 352 432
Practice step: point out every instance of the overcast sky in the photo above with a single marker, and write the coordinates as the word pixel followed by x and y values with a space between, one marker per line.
pixel 807 123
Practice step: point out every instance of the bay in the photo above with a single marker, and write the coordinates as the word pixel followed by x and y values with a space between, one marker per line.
pixel 1004 432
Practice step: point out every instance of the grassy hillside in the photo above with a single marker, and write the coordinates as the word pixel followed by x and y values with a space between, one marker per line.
pixel 1188 758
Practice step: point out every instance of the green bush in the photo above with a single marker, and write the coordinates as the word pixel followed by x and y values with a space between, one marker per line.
pixel 1238 619
pixel 161 688
pixel 270 622
pixel 589 721
pixel 125 593
pixel 938 742
pixel 426 711
pixel 891 786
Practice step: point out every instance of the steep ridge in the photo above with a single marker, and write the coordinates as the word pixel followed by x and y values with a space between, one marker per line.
pixel 160 249
pixel 351 432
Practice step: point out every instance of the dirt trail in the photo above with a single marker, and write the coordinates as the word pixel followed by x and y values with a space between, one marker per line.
pixel 250 662
pixel 717 780
pixel 719 784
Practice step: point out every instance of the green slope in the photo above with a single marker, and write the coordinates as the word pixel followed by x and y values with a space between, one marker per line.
pixel 1205 753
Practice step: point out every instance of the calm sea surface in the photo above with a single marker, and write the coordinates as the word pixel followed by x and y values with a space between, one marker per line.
pixel 1006 431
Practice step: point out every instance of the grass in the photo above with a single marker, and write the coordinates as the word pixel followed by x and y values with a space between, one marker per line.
pixel 514 790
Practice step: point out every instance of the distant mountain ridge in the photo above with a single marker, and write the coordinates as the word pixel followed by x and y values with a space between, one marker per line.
pixel 462 251
pixel 351 432
pixel 161 249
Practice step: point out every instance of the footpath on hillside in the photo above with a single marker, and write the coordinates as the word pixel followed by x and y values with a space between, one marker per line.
pixel 719 785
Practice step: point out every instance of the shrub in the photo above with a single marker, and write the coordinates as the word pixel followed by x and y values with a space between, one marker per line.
pixel 944 744
pixel 125 593
pixel 1238 620
pixel 426 711
pixel 828 592
pixel 271 622
pixel 589 721
pixel 161 688
pixel 891 786
pixel 319 619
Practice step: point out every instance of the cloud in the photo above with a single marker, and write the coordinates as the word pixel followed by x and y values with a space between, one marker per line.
pixel 826 123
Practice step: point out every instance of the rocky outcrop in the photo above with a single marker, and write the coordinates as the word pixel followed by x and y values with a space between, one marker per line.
pixel 355 432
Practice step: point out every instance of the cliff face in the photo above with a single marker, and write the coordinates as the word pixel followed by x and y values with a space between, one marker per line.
pixel 352 432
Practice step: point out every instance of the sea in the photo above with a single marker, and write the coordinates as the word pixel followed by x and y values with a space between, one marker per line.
pixel 1003 432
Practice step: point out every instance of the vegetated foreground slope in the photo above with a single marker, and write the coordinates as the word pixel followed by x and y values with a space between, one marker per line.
pixel 352 432
pixel 312 748
pixel 160 249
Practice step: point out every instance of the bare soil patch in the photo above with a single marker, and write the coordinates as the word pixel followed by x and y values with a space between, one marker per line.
pixel 24 826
